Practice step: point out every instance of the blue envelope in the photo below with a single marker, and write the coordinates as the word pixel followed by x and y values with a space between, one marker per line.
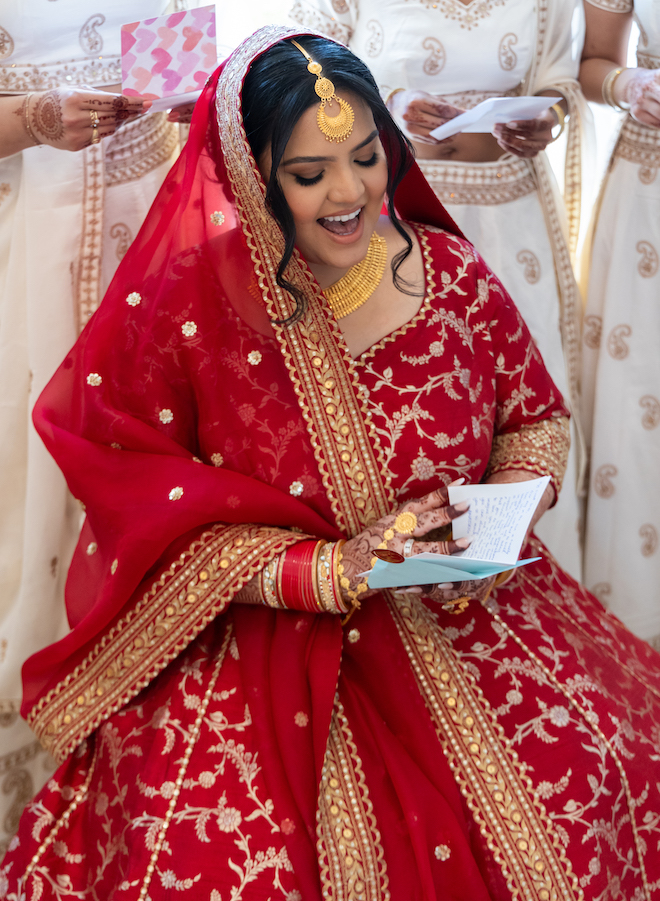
pixel 427 572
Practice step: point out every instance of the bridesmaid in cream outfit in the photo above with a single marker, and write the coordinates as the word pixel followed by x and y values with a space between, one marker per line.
pixel 621 380
pixel 69 209
pixel 434 58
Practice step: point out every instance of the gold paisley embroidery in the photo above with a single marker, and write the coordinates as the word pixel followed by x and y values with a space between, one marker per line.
pixel 482 184
pixel 123 236
pixel 5 191
pixel 532 267
pixel 6 43
pixel 351 857
pixel 89 38
pixel 602 590
pixel 593 329
pixel 651 407
pixel 435 61
pixel 648 265
pixel 506 54
pixel 468 15
pixel 374 43
pixel 603 484
pixel 315 20
pixel 616 346
pixel 509 814
pixel 649 535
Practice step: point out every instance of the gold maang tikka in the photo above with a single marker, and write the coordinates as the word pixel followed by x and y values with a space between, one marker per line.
pixel 335 128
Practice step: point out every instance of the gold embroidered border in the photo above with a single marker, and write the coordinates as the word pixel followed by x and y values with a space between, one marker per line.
pixel 87 281
pixel 638 144
pixel 195 589
pixel 351 857
pixel 324 378
pixel 483 184
pixel 23 77
pixel 511 817
pixel 647 60
pixel 139 147
pixel 542 447
pixel 613 6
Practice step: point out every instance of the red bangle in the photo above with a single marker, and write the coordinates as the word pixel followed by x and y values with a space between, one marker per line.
pixel 299 577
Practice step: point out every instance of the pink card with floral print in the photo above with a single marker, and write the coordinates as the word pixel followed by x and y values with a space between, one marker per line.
pixel 168 59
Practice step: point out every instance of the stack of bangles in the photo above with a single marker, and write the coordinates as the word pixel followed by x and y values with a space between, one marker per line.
pixel 308 577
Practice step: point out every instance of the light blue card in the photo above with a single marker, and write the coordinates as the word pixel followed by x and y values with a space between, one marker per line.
pixel 423 572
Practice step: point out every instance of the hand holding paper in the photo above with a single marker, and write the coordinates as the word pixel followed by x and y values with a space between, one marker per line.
pixel 496 521
pixel 483 117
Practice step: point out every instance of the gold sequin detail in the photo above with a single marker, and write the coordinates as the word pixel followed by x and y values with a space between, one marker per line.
pixel 176 493
pixel 166 416
pixel 541 447
pixel 442 852
pixel 134 299
pixel 217 459
pixel 354 635
pixel 92 548
pixel 94 379
pixel 254 357
pixel 189 328
pixel 115 564
pixel 218 217
pixel 296 488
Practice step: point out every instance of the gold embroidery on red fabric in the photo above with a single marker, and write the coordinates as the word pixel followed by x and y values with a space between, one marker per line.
pixel 195 589
pixel 351 857
pixel 501 797
pixel 593 726
pixel 541 447
pixel 178 785
pixel 322 373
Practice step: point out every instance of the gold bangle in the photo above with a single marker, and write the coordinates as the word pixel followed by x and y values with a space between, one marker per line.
pixel 561 120
pixel 391 94
pixel 26 120
pixel 608 90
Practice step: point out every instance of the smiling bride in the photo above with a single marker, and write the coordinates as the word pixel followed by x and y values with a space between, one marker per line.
pixel 281 381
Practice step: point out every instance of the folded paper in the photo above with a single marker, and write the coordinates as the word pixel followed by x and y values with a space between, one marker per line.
pixel 483 117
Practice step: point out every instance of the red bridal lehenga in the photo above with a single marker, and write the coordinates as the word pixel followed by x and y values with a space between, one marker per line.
pixel 219 751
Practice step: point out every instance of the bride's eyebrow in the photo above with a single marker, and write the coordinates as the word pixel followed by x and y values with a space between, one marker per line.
pixel 329 159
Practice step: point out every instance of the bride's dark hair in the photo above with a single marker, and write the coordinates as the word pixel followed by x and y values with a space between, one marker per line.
pixel 277 91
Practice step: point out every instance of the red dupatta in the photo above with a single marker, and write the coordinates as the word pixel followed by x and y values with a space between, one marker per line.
pixel 170 536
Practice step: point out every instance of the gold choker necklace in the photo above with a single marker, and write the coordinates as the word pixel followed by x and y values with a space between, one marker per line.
pixel 361 280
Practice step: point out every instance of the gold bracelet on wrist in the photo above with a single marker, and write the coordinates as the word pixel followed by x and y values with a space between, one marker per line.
pixel 561 120
pixel 269 584
pixel 608 90
pixel 391 94
pixel 26 120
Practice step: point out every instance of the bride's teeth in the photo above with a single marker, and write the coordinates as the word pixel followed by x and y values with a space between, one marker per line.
pixel 344 218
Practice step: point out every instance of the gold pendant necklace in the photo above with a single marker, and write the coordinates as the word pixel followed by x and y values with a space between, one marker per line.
pixel 361 280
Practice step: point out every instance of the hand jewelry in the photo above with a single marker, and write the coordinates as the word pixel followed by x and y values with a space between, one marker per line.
pixel 405 523
pixel 458 605
pixel 94 116
pixel 408 547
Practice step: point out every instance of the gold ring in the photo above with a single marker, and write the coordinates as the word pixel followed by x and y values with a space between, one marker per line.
pixel 95 136
pixel 405 523
pixel 408 547
pixel 458 605
pixel 94 116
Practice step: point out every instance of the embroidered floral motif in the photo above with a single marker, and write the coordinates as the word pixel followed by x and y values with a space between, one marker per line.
pixel 176 493
pixel 217 218
pixel 189 329
pixel 94 379
pixel 134 299
pixel 166 416
pixel 254 357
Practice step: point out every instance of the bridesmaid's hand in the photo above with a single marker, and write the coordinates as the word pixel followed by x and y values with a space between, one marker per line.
pixel 418 113
pixel 528 137
pixel 63 118
pixel 641 89
pixel 432 512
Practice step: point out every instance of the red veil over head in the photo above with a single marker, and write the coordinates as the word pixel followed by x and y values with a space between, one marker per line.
pixel 148 422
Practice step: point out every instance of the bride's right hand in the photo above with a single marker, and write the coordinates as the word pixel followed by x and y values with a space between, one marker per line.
pixel 418 113
pixel 432 512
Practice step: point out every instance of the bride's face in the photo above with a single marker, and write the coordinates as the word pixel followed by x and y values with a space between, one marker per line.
pixel 334 191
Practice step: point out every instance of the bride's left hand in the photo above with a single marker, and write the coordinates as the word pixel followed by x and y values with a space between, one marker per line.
pixel 445 592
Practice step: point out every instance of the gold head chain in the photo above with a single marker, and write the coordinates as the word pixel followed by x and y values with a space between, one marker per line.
pixel 335 128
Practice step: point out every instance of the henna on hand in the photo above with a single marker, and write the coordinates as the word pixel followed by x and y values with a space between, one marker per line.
pixel 46 117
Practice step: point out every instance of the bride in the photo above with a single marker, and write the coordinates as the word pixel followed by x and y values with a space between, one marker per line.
pixel 281 382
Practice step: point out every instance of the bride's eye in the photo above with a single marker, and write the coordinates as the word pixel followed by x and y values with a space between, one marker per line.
pixel 373 159
pixel 309 181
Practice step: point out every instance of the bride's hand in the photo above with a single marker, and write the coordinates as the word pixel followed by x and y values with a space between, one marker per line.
pixel 431 512
pixel 418 113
